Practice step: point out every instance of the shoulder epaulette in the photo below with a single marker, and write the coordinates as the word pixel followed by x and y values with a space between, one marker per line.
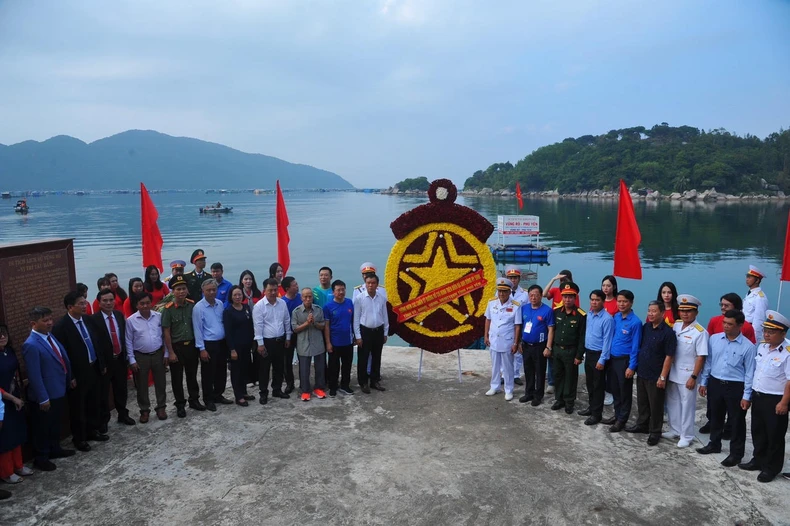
pixel 516 303
pixel 699 327
pixel 190 301
pixel 169 304
pixel 761 294
pixel 582 311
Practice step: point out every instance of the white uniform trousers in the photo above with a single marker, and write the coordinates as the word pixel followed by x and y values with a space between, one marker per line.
pixel 681 410
pixel 502 361
pixel 518 364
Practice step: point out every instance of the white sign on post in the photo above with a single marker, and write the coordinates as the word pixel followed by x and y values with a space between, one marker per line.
pixel 518 225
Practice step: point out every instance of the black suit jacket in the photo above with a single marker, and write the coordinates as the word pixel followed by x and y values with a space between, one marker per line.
pixel 68 334
pixel 103 341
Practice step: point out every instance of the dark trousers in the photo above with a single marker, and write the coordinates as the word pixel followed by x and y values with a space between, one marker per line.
pixel 304 372
pixel 252 372
pixel 534 369
pixel 622 389
pixel 724 399
pixel 768 432
pixel 187 364
pixel 115 380
pixel 595 380
pixel 650 404
pixel 273 361
pixel 214 372
pixel 46 428
pixel 340 360
pixel 239 371
pixel 84 406
pixel 372 344
pixel 727 423
pixel 566 374
pixel 288 363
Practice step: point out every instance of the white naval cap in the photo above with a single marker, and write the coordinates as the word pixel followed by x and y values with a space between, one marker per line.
pixel 512 270
pixel 775 320
pixel 688 302
pixel 503 284
pixel 367 267
pixel 756 272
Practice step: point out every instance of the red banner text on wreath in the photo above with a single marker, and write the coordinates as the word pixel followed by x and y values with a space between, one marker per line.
pixel 439 296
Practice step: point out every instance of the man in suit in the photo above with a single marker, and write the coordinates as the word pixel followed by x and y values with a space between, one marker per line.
pixel 109 326
pixel 87 367
pixel 49 375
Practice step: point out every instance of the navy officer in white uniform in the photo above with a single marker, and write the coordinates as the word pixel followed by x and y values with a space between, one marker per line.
pixel 755 303
pixel 502 328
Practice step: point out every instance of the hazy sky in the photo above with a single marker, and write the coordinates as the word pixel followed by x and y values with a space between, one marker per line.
pixel 380 90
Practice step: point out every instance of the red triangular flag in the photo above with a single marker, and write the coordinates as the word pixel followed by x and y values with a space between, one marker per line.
pixel 786 257
pixel 152 238
pixel 627 238
pixel 519 196
pixel 283 239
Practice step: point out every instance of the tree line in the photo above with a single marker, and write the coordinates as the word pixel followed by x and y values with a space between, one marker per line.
pixel 663 158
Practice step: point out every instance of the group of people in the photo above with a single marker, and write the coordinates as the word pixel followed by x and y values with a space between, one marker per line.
pixel 741 361
pixel 186 322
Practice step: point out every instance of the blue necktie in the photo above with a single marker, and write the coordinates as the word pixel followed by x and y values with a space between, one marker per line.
pixel 88 342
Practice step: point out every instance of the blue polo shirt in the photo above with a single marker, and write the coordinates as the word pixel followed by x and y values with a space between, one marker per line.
pixel 340 317
pixel 535 323
pixel 223 287
pixel 627 337
pixel 292 304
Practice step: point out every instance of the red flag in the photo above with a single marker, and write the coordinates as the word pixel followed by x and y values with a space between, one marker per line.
pixel 786 257
pixel 283 255
pixel 519 196
pixel 152 238
pixel 627 238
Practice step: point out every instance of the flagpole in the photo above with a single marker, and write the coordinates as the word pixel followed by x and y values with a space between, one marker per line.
pixel 779 299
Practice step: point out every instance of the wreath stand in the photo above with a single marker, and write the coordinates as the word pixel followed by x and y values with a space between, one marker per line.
pixel 460 374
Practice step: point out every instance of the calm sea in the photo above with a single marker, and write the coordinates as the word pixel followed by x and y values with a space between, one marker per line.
pixel 704 249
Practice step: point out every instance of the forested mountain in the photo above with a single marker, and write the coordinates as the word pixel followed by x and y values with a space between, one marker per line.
pixel 160 161
pixel 662 158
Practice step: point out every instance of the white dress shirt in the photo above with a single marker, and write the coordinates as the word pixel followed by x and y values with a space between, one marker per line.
pixel 371 312
pixel 773 369
pixel 271 320
pixel 143 335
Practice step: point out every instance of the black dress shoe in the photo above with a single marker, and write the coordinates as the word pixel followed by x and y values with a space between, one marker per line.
pixel 264 400
pixel 569 409
pixel 280 394
pixel 557 405
pixel 197 406
pixel 635 429
pixel 764 476
pixel 289 389
pixel 249 397
pixel 705 428
pixel 181 412
pixel 752 465
pixel 730 461
pixel 378 387
pixel 536 402
pixel 222 400
pixel 518 381
pixel 211 406
pixel 652 440
pixel 592 420
pixel 786 475
pixel 364 388
pixel 585 412
pixel 44 465
pixel 62 453
pixel 608 421
pixel 98 437
pixel 707 450
pixel 617 427
pixel 125 419
pixel 243 403
pixel 82 446
pixel 526 398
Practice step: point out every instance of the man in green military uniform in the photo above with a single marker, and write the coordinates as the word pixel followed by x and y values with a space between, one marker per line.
pixel 196 278
pixel 570 324
pixel 180 342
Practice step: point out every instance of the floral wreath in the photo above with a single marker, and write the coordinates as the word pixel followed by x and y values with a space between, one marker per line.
pixel 440 273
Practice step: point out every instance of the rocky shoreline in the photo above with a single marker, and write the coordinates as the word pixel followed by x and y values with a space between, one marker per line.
pixel 710 195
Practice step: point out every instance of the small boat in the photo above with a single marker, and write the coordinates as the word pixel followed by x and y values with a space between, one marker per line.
pixel 216 209
pixel 6 195
pixel 21 207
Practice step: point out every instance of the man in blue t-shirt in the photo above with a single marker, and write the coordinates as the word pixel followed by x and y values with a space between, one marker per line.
pixel 537 335
pixel 623 359
pixel 339 335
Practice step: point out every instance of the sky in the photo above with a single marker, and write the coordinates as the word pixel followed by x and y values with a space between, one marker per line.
pixel 381 90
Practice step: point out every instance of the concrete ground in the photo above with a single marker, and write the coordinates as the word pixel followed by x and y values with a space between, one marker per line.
pixel 430 452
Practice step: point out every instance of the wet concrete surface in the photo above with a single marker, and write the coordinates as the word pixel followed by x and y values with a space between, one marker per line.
pixel 433 451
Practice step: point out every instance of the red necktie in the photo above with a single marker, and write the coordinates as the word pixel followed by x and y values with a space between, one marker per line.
pixel 57 351
pixel 116 345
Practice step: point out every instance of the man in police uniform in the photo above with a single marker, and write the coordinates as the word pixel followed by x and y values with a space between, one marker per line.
pixel 502 327
pixel 367 269
pixel 176 269
pixel 513 273
pixel 179 339
pixel 570 326
pixel 770 398
pixel 692 348
pixel 196 278
pixel 755 303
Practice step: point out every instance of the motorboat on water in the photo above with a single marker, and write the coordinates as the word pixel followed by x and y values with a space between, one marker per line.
pixel 216 209
pixel 21 207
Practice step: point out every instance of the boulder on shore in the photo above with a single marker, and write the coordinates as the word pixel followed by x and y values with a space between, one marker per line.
pixel 689 195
